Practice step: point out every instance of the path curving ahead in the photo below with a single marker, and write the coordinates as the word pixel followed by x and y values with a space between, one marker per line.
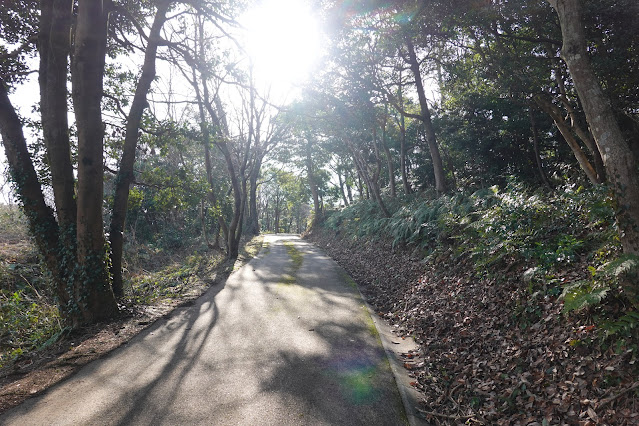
pixel 285 341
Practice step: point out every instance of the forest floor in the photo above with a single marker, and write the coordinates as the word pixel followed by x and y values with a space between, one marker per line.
pixel 492 352
pixel 38 370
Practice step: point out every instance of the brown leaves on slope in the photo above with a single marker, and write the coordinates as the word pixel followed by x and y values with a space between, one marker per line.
pixel 492 352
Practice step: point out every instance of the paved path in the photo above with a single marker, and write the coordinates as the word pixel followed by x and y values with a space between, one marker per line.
pixel 285 341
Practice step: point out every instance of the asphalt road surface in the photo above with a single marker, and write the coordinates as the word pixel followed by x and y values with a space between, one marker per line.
pixel 286 340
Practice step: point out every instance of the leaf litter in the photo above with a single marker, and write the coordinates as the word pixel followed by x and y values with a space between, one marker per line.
pixel 491 352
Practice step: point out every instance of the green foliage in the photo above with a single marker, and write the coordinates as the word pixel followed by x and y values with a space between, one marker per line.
pixel 26 323
pixel 624 330
pixel 169 281
pixel 581 294
pixel 492 226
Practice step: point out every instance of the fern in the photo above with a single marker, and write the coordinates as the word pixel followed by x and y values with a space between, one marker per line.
pixel 582 294
pixel 623 326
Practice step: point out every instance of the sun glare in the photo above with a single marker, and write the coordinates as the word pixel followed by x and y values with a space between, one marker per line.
pixel 283 42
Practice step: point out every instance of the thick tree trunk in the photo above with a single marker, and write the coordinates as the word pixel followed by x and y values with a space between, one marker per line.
pixel 92 288
pixel 431 139
pixel 54 46
pixel 619 162
pixel 124 178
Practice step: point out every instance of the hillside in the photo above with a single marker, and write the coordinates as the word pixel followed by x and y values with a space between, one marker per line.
pixel 509 336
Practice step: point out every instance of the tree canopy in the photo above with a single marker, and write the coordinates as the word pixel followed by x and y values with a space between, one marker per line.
pixel 152 116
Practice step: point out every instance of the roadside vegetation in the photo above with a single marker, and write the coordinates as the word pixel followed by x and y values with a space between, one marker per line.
pixel 519 299
pixel 159 272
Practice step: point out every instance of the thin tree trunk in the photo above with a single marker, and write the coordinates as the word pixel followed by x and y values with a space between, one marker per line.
pixel 124 178
pixel 535 135
pixel 205 234
pixel 390 164
pixel 575 124
pixel 391 170
pixel 438 168
pixel 349 191
pixel 92 289
pixel 370 182
pixel 253 227
pixel 341 187
pixel 572 142
pixel 312 182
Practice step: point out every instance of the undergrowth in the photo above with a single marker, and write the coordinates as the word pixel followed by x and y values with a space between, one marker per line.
pixel 561 245
pixel 29 318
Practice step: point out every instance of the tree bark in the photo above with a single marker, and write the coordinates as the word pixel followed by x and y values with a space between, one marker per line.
pixel 124 178
pixel 619 162
pixel 92 288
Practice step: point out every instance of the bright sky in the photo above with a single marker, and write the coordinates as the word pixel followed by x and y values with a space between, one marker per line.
pixel 284 42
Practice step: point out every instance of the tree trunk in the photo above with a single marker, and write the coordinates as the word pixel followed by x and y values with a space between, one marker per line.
pixel 40 217
pixel 535 135
pixel 619 162
pixel 570 139
pixel 402 143
pixel 341 187
pixel 391 170
pixel 390 164
pixel 371 183
pixel 54 45
pixel 312 183
pixel 349 191
pixel 277 211
pixel 124 178
pixel 438 168
pixel 575 124
pixel 253 227
pixel 92 288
